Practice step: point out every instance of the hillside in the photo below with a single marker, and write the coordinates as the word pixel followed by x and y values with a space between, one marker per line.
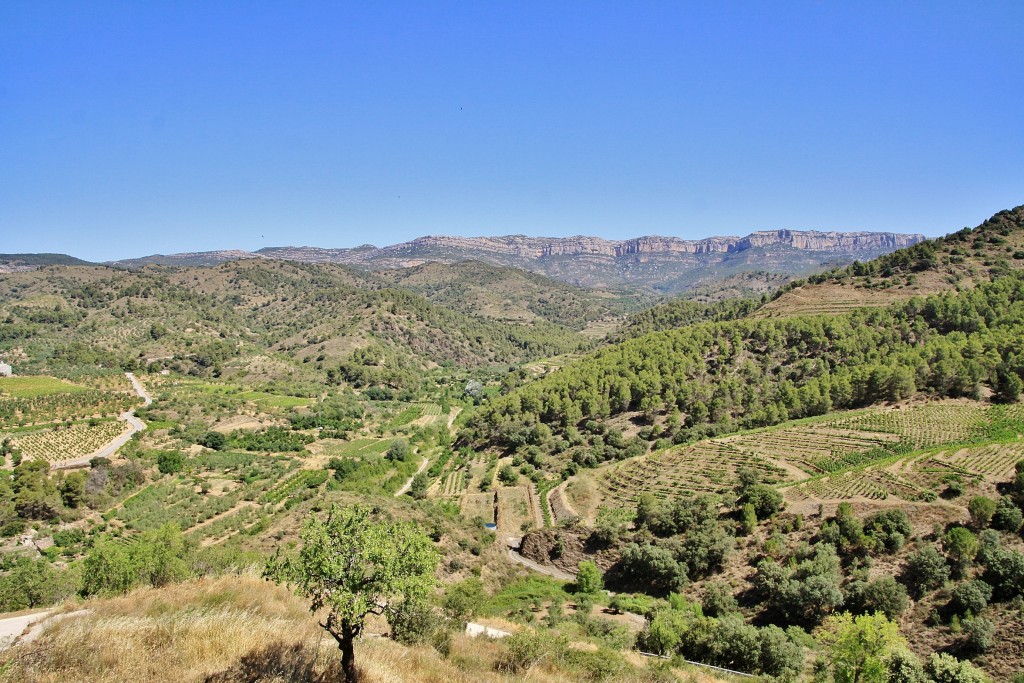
pixel 16 262
pixel 273 318
pixel 663 264
pixel 511 294
pixel 959 260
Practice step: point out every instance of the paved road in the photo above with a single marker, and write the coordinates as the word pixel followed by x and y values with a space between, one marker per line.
pixel 513 554
pixel 408 485
pixel 12 627
pixel 134 423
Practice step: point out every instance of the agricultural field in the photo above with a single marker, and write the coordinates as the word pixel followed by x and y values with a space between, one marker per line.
pixel 66 443
pixel 27 401
pixel 480 505
pixel 871 454
pixel 36 386
pixel 515 509
pixel 705 467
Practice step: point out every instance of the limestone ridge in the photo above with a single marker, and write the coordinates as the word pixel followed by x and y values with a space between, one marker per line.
pixel 668 264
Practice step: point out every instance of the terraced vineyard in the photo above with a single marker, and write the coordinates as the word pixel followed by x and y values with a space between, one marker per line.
pixel 813 448
pixel 839 457
pixel 924 426
pixel 175 500
pixel 704 467
pixel 453 482
pixel 308 479
pixel 515 508
pixel 55 445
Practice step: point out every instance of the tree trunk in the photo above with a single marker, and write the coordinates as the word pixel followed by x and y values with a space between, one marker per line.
pixel 345 634
pixel 348 654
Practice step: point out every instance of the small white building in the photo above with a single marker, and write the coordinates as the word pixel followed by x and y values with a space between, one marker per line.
pixel 6 370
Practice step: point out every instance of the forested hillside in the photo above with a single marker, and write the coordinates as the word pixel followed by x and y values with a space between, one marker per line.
pixel 712 378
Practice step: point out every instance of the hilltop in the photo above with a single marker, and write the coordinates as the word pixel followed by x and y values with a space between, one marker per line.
pixel 956 261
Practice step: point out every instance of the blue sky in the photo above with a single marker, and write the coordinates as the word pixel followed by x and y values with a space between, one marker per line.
pixel 130 128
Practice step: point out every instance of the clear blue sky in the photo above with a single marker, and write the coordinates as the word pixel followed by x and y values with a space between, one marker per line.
pixel 128 128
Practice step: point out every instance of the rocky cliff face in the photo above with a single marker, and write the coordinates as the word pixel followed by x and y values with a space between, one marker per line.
pixel 542 247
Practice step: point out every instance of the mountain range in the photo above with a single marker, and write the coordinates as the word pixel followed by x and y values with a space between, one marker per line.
pixel 665 264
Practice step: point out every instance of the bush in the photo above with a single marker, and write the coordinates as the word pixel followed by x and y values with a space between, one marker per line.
pixel 889 528
pixel 926 570
pixel 945 668
pixel 718 600
pixel 879 595
pixel 1005 572
pixel 1008 516
pixel 169 462
pixel 508 476
pixel 214 440
pixel 647 568
pixel 588 578
pixel 766 500
pixel 970 597
pixel 979 633
pixel 462 600
pixel 982 509
pixel 399 451
pixel 526 648
pixel 961 546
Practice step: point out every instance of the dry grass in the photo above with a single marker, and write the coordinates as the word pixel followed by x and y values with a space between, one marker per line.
pixel 239 629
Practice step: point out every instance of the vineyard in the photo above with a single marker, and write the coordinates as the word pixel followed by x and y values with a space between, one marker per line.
pixel 70 403
pixel 36 387
pixel 862 454
pixel 305 479
pixel 66 443
pixel 704 467
pixel 814 448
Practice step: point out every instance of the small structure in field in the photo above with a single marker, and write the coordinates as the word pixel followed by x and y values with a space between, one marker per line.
pixel 6 370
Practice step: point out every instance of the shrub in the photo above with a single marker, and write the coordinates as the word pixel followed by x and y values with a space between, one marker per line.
pixel 588 578
pixel 971 597
pixel 879 595
pixel 961 546
pixel 889 528
pixel 982 509
pixel 525 649
pixel 214 440
pixel 462 600
pixel 979 633
pixel 926 570
pixel 1004 571
pixel 765 499
pixel 1008 516
pixel 169 462
pixel 718 600
pixel 945 668
pixel 508 476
